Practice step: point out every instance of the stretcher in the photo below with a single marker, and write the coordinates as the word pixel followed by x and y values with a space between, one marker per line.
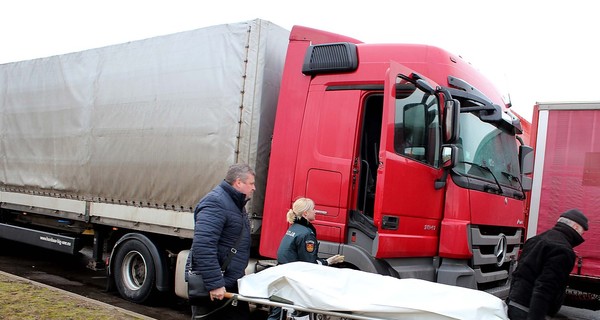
pixel 338 293
pixel 313 314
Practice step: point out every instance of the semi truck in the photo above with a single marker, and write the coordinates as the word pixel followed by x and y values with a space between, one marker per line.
pixel 409 152
pixel 566 140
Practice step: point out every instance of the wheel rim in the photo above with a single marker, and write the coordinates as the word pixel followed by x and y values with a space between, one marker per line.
pixel 134 270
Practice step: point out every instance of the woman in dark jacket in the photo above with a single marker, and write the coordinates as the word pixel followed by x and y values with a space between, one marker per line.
pixel 300 241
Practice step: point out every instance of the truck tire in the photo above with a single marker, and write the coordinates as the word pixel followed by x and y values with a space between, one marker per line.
pixel 134 271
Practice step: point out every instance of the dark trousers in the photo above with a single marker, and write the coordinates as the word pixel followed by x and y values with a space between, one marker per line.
pixel 515 313
pixel 275 314
pixel 278 313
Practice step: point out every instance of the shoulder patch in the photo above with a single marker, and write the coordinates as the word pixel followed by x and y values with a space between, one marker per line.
pixel 309 245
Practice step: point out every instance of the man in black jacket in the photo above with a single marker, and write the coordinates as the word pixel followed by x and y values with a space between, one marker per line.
pixel 221 223
pixel 539 282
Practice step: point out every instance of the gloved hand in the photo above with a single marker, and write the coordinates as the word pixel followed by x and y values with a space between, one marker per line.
pixel 335 259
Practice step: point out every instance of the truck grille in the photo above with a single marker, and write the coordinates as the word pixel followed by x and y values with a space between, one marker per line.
pixel 494 252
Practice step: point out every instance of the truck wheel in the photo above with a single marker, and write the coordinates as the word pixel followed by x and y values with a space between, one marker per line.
pixel 134 271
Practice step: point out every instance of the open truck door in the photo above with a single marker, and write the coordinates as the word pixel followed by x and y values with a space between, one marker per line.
pixel 408 206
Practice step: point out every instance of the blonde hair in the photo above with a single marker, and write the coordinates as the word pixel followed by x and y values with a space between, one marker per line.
pixel 300 206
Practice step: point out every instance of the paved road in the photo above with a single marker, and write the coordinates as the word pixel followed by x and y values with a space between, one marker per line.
pixel 70 273
pixel 567 312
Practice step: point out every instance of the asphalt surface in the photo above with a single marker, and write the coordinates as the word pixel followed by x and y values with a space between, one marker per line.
pixel 70 275
pixel 567 312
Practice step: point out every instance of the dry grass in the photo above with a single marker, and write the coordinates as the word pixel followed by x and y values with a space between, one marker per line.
pixel 21 300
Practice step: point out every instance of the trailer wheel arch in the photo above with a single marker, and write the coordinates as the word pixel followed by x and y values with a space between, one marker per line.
pixel 159 263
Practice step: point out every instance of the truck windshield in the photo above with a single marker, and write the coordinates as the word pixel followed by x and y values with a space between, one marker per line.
pixel 487 152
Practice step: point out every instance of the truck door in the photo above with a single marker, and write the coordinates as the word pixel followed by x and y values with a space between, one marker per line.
pixel 408 209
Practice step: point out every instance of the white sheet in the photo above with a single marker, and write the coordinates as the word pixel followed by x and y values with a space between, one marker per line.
pixel 326 288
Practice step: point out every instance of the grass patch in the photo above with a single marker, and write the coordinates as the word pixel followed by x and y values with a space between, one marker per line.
pixel 24 301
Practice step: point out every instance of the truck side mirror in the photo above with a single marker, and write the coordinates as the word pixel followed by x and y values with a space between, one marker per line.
pixel 526 159
pixel 449 156
pixel 449 161
pixel 526 183
pixel 450 121
pixel 526 164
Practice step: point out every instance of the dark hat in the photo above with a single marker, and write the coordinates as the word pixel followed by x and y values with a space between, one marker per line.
pixel 576 216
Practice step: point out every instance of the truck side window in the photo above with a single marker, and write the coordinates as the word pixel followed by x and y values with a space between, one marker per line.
pixel 417 130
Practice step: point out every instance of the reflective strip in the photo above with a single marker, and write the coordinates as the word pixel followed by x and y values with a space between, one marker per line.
pixel 576 226
pixel 518 306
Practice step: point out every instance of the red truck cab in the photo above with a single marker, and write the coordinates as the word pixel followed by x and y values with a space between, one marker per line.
pixel 409 154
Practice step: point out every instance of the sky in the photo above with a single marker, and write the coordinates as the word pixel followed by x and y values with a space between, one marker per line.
pixel 533 51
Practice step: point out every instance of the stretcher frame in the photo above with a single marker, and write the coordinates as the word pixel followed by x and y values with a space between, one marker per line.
pixel 275 301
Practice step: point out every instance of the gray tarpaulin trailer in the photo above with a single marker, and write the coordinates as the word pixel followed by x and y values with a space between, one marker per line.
pixel 124 140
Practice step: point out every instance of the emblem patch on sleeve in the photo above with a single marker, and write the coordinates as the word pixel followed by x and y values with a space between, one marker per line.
pixel 310 246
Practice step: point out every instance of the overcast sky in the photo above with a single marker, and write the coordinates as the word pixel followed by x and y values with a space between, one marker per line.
pixel 531 50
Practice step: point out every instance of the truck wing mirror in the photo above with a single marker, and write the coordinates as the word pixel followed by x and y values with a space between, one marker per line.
pixel 449 156
pixel 526 164
pixel 526 159
pixel 526 183
pixel 449 161
pixel 450 122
